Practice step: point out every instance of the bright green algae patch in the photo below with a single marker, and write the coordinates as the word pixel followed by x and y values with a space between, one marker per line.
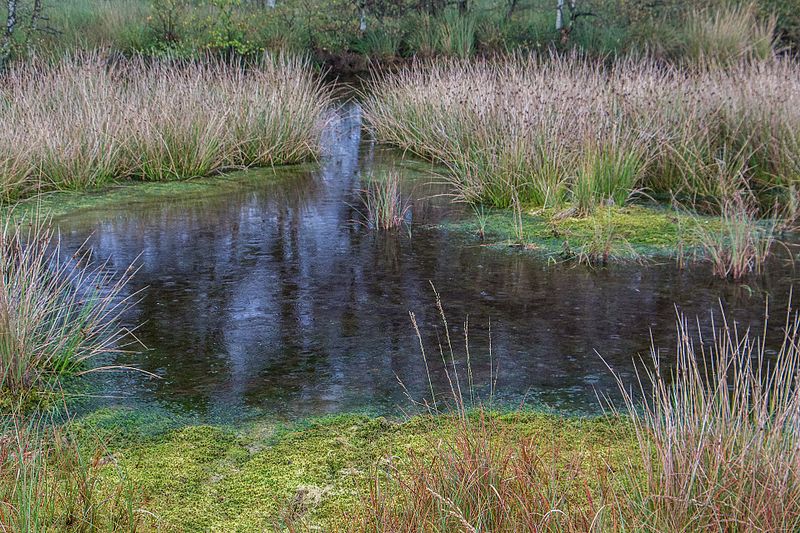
pixel 207 478
pixel 132 193
pixel 630 232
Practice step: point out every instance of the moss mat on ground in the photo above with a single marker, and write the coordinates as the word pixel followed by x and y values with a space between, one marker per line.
pixel 208 478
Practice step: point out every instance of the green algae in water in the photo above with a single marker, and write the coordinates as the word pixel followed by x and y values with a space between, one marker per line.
pixel 128 194
pixel 648 231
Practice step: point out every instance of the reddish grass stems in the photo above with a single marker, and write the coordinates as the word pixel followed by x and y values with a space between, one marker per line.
pixel 718 439
pixel 474 476
pixel 719 434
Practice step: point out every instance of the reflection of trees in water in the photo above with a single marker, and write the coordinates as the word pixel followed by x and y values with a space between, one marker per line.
pixel 270 296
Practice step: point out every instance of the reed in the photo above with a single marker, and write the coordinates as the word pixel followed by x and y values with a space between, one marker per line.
pixel 384 205
pixel 57 313
pixel 567 128
pixel 88 120
pixel 718 433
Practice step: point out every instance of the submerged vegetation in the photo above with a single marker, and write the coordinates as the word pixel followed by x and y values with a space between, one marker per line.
pixel 89 120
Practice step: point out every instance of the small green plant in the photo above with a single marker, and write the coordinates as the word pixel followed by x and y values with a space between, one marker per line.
pixel 380 43
pixel 457 35
pixel 605 244
pixel 728 33
pixel 519 228
pixel 742 243
pixel 481 219
pixel 383 203
pixel 167 20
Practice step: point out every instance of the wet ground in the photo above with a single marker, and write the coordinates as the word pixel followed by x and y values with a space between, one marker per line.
pixel 269 297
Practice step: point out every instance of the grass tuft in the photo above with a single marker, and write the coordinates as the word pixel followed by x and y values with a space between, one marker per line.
pixel 56 313
pixel 718 433
pixel 88 120
pixel 384 205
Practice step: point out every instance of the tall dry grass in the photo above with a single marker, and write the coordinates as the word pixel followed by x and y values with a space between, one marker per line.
pixel 719 433
pixel 56 313
pixel 567 128
pixel 717 430
pixel 727 33
pixel 88 119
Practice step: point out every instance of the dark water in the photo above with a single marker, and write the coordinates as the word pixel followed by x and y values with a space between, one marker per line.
pixel 267 298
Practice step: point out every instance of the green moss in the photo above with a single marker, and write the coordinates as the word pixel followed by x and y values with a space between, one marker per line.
pixel 131 193
pixel 216 479
pixel 630 231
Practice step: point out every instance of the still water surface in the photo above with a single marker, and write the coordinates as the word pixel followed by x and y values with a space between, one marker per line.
pixel 267 298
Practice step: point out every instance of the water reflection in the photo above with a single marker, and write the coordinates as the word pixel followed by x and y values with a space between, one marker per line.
pixel 268 298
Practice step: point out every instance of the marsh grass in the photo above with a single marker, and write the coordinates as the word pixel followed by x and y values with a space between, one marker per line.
pixel 384 207
pixel 607 177
pixel 474 477
pixel 567 128
pixel 88 120
pixel 740 244
pixel 51 482
pixel 727 33
pixel 57 313
pixel 718 432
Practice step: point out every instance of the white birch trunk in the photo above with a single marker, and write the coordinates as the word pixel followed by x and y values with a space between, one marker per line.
pixel 560 15
pixel 11 22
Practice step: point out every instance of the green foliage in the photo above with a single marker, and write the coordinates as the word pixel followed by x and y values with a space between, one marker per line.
pixel 607 176
pixel 673 29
